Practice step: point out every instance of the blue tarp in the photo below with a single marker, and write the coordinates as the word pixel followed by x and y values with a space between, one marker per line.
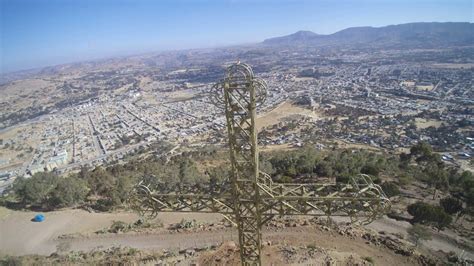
pixel 38 218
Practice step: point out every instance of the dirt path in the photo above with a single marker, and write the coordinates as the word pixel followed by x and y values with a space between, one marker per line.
pixel 19 236
pixel 299 236
pixel 440 241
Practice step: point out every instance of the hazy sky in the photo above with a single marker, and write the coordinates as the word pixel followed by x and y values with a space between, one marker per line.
pixel 38 33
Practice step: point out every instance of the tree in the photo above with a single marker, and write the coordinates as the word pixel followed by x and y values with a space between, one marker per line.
pixel 36 190
pixel 404 160
pixel 370 169
pixel 100 182
pixel 428 214
pixel 437 177
pixel 68 192
pixel 188 172
pixel 419 232
pixel 466 183
pixel 421 150
pixel 419 211
pixel 47 190
pixel 442 220
pixel 324 169
pixel 451 205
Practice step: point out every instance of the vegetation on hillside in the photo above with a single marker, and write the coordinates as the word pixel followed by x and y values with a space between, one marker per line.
pixel 106 188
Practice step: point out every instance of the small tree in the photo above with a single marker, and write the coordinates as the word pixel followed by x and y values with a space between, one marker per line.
pixel 442 219
pixel 437 177
pixel 68 191
pixel 391 189
pixel 370 169
pixel 35 191
pixel 419 232
pixel 429 214
pixel 100 181
pixel 49 190
pixel 421 150
pixel 451 205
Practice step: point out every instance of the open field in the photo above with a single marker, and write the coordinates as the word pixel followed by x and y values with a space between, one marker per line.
pixel 282 111
pixel 18 152
pixel 424 123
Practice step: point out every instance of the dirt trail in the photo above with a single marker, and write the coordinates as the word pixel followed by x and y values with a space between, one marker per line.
pixel 444 241
pixel 299 236
pixel 19 236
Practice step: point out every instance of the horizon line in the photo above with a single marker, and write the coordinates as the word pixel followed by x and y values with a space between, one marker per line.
pixel 165 50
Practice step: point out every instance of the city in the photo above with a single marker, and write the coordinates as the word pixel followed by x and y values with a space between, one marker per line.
pixel 388 106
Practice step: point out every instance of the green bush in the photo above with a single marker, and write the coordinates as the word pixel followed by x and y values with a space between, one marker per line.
pixel 104 205
pixel 428 214
pixel 118 226
pixel 47 190
pixel 68 192
pixel 391 189
pixel 451 205
pixel 369 169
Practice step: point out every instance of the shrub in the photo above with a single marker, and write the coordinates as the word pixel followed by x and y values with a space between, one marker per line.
pixel 391 189
pixel 451 205
pixel 429 214
pixel 104 205
pixel 118 226
pixel 369 169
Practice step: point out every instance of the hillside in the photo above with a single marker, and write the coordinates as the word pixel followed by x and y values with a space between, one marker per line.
pixel 426 35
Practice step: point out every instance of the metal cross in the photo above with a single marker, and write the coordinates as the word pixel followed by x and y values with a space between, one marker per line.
pixel 249 198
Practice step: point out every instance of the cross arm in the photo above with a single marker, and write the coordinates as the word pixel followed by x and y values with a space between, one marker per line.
pixel 150 200
pixel 359 199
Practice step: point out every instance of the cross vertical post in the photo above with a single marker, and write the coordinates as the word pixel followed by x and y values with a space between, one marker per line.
pixel 240 110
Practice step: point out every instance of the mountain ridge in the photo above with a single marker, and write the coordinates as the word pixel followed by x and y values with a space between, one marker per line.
pixel 429 34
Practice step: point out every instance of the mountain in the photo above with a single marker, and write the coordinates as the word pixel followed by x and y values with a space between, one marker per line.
pixel 301 36
pixel 422 34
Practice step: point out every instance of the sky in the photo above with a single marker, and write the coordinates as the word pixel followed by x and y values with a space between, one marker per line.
pixel 37 33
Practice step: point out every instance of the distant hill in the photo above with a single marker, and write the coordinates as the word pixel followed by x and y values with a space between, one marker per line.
pixel 423 34
pixel 298 37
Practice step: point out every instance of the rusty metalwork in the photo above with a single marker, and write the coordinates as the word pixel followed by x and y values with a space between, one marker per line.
pixel 250 198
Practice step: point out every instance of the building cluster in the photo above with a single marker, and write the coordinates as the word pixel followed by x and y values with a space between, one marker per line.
pixel 357 97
